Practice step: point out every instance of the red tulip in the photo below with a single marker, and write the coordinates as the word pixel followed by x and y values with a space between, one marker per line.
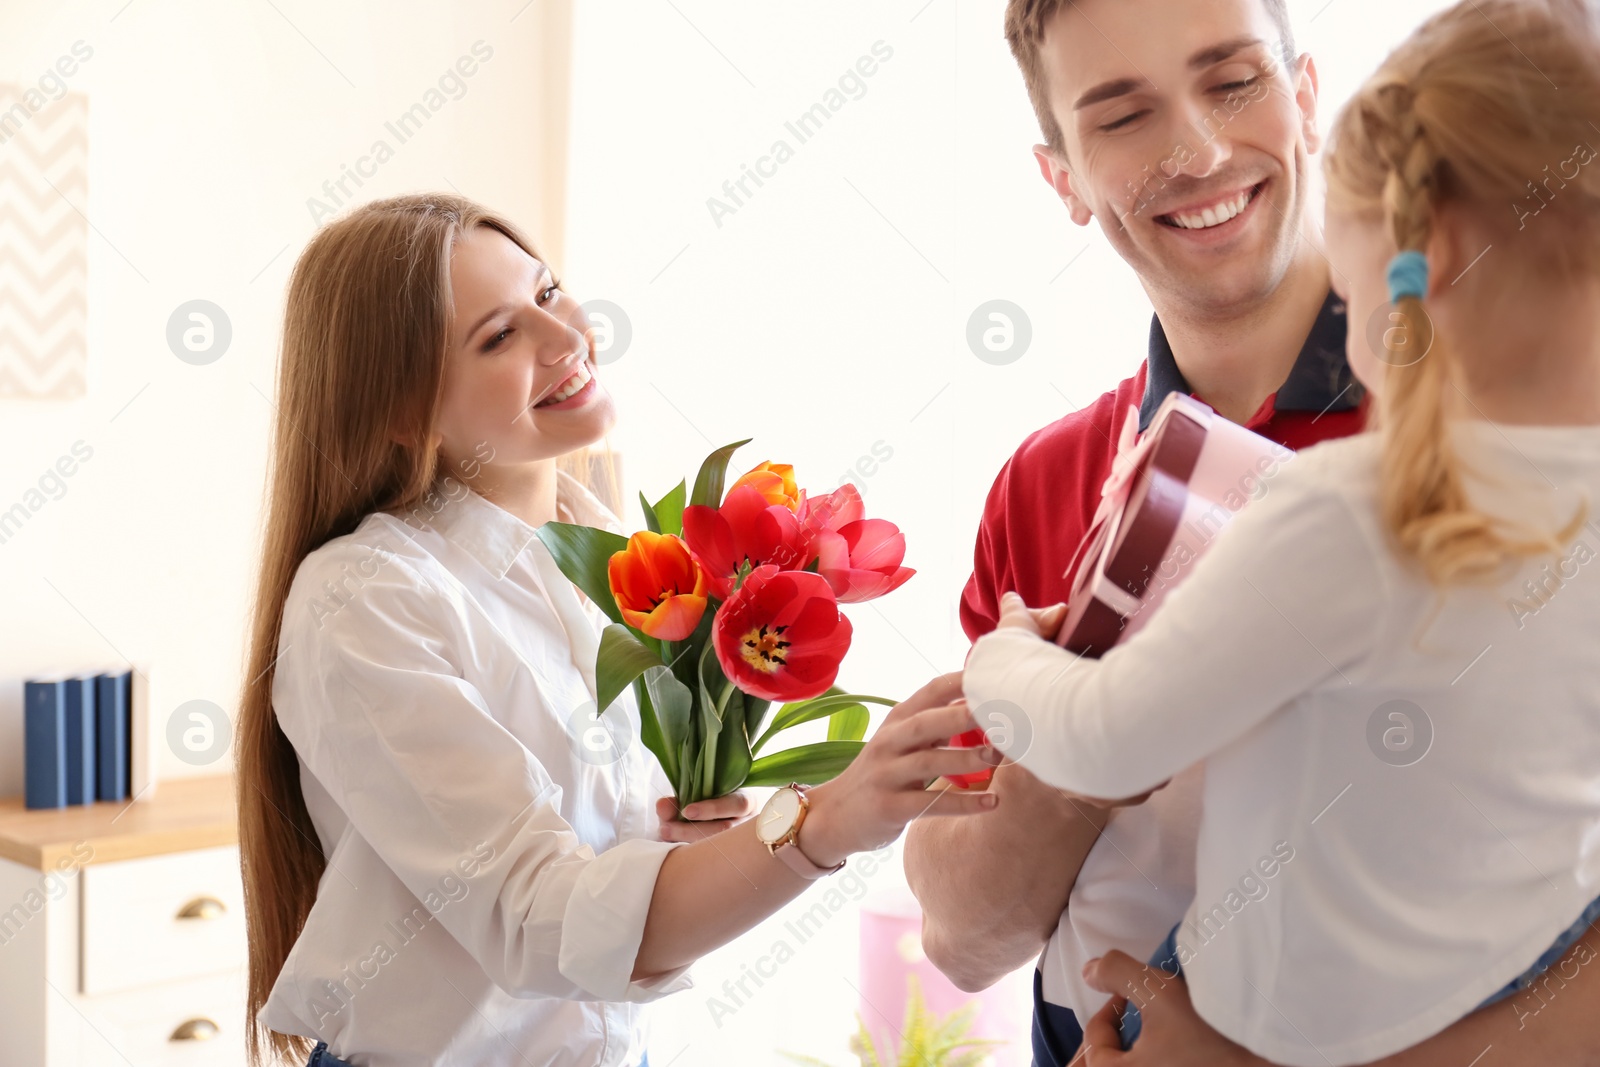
pixel 745 529
pixel 658 586
pixel 781 635
pixel 830 512
pixel 861 560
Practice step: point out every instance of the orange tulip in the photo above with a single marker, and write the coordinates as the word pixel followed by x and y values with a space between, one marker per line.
pixel 658 586
pixel 775 481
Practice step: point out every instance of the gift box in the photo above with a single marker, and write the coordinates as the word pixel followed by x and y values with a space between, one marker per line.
pixel 1170 492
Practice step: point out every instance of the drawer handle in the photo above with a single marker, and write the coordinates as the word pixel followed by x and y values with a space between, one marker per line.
pixel 201 1029
pixel 202 908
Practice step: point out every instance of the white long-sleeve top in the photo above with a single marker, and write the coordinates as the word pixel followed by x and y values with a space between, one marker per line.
pixel 1352 899
pixel 490 857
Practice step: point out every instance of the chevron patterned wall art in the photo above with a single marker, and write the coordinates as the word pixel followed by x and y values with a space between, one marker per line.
pixel 43 245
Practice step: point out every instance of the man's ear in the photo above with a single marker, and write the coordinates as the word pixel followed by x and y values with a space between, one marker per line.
pixel 1059 177
pixel 1305 95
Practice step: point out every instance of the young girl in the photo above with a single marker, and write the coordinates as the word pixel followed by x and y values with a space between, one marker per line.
pixel 440 865
pixel 1400 722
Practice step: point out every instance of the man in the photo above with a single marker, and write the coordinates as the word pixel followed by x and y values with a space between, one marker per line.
pixel 1192 147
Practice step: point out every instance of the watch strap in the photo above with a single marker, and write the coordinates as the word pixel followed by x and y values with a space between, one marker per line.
pixel 790 854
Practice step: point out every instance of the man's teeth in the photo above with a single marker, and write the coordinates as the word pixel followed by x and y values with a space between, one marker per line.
pixel 569 387
pixel 1212 216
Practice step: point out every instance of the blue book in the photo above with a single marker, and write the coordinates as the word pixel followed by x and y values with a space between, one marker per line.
pixel 112 758
pixel 80 740
pixel 44 733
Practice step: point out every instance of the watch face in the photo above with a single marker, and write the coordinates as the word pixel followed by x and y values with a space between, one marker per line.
pixel 778 815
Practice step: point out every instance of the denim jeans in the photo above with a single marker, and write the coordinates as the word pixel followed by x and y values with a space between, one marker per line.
pixel 321 1057
pixel 1166 958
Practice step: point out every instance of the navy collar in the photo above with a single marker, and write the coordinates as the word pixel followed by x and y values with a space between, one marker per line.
pixel 1319 381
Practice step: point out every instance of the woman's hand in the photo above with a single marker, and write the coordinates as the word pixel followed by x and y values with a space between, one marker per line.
pixel 884 788
pixel 703 818
pixel 1172 1034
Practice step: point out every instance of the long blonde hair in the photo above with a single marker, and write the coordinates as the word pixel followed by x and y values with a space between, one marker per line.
pixel 364 342
pixel 1466 111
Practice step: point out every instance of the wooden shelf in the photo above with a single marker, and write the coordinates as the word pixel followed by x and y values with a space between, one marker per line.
pixel 181 814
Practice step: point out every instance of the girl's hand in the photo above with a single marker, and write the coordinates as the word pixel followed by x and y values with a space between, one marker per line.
pixel 703 818
pixel 1172 1034
pixel 885 786
pixel 1041 622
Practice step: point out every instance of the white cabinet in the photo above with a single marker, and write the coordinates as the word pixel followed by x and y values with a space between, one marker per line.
pixel 122 962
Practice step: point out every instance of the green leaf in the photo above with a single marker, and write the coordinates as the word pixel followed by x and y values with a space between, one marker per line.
pixel 650 732
pixel 673 704
pixel 582 553
pixel 708 483
pixel 733 746
pixel 710 727
pixel 622 658
pixel 848 723
pixel 815 708
pixel 650 521
pixel 669 511
pixel 755 711
pixel 809 764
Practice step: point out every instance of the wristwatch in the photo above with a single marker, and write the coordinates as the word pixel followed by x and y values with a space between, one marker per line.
pixel 778 827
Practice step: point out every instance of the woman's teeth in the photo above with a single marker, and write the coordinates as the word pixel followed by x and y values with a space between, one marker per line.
pixel 1215 215
pixel 570 387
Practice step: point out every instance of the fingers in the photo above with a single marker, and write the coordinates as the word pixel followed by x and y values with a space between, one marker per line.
pixel 1102 1038
pixel 945 689
pixel 1048 620
pixel 931 728
pixel 920 766
pixel 732 806
pixel 696 831
pixel 1014 612
pixel 953 801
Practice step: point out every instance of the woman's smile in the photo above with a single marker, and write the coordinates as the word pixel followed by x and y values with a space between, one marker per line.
pixel 574 391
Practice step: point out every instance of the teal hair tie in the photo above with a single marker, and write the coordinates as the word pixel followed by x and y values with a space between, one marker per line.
pixel 1408 275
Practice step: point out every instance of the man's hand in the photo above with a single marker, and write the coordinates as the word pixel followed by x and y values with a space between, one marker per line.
pixel 703 818
pixel 1172 1034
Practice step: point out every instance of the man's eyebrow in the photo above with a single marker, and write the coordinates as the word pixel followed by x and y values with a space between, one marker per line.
pixel 1207 56
pixel 1218 52
pixel 1108 90
pixel 544 272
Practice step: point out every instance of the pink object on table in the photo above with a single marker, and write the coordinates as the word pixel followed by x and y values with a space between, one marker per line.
pixel 891 951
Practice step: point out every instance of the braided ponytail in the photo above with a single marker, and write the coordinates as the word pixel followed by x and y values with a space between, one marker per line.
pixel 1439 122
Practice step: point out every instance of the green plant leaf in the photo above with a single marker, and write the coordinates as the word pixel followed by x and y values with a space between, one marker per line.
pixel 733 746
pixel 708 483
pixel 650 732
pixel 622 658
pixel 815 708
pixel 849 723
pixel 650 521
pixel 809 764
pixel 710 726
pixel 674 705
pixel 669 511
pixel 582 553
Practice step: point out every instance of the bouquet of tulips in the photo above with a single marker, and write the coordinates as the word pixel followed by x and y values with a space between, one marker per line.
pixel 726 604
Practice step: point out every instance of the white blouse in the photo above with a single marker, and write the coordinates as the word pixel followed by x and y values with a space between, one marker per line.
pixel 491 849
pixel 1401 811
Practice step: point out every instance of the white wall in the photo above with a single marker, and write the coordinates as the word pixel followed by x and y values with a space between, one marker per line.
pixel 211 124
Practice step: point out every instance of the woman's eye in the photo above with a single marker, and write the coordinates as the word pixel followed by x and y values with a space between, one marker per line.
pixel 549 291
pixel 494 341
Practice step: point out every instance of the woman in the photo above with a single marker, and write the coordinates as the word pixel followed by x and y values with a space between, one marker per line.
pixel 435 870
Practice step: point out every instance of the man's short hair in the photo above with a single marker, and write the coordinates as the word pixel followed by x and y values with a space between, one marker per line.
pixel 1026 21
